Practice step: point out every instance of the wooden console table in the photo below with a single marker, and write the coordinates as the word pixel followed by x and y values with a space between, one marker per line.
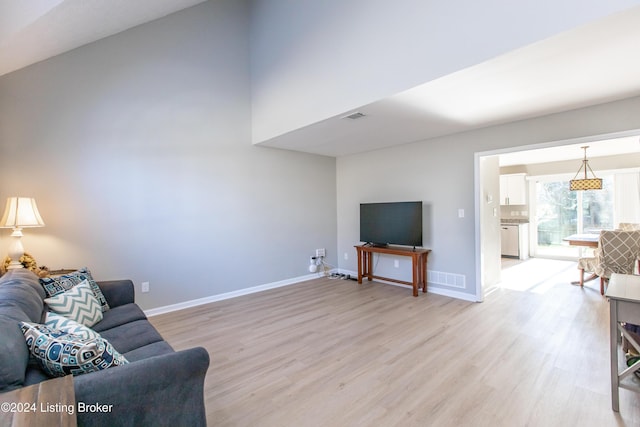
pixel 49 403
pixel 418 261
pixel 624 302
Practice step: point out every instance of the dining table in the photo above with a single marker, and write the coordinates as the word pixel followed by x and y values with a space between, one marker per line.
pixel 583 239
pixel 588 240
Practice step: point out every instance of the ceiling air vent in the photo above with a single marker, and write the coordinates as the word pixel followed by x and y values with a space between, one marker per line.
pixel 354 116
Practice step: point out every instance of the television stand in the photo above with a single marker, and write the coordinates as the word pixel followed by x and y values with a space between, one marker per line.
pixel 418 262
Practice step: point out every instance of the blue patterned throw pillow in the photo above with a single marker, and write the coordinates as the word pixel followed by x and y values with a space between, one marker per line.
pixel 78 304
pixel 59 284
pixel 60 353
pixel 58 322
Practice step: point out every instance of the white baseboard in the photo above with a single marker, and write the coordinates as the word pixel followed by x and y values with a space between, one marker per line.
pixel 430 289
pixel 287 282
pixel 227 295
pixel 453 294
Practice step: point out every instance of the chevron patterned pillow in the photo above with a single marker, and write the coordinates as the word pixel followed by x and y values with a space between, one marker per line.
pixel 78 304
pixel 57 284
pixel 60 353
pixel 56 321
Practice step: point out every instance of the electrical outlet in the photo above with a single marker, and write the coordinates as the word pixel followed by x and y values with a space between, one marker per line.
pixel 320 252
pixel 346 256
pixel 396 263
pixel 145 286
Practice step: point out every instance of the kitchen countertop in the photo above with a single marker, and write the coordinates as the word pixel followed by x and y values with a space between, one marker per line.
pixel 507 221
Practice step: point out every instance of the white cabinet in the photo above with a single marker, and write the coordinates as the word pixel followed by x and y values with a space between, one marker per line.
pixel 514 240
pixel 513 189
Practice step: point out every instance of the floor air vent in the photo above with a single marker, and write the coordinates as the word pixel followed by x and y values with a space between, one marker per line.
pixel 446 279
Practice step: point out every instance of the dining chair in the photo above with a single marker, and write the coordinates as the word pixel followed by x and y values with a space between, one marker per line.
pixel 617 252
pixel 630 226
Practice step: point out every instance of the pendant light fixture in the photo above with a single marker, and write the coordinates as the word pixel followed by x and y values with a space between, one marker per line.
pixel 585 183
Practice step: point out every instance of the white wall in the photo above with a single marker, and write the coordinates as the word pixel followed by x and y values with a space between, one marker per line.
pixel 490 214
pixel 441 173
pixel 317 59
pixel 138 151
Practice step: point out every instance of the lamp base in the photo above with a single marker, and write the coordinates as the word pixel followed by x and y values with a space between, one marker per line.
pixel 16 250
pixel 14 265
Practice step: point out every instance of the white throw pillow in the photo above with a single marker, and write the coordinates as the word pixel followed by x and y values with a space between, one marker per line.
pixel 58 322
pixel 78 304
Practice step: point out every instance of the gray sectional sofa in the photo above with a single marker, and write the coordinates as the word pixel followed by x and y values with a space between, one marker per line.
pixel 159 386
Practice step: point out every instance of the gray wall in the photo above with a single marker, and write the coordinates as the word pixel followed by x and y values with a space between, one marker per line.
pixel 441 173
pixel 138 147
pixel 138 151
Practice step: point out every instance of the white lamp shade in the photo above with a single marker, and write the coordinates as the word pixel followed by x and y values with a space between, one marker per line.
pixel 21 212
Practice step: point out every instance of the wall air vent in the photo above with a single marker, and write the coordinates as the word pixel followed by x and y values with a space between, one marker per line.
pixel 354 116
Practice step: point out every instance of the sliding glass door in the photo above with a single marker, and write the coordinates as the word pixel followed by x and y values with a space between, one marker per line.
pixel 597 207
pixel 560 212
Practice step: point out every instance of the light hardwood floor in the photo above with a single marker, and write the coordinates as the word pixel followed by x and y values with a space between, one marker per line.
pixel 335 353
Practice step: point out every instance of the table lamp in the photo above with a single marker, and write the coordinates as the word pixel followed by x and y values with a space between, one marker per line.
pixel 19 213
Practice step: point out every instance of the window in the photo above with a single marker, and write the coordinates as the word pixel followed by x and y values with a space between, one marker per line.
pixel 560 212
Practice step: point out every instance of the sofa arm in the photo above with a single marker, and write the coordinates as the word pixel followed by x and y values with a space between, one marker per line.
pixel 161 390
pixel 117 292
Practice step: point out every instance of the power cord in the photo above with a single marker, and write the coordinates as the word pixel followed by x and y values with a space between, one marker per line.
pixel 324 269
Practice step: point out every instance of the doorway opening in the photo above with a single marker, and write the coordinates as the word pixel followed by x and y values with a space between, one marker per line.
pixel 554 214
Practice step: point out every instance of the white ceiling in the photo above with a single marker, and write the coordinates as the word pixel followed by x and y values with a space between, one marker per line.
pixel 34 30
pixel 585 66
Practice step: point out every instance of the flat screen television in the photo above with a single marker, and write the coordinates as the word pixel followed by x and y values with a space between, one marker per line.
pixel 393 223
